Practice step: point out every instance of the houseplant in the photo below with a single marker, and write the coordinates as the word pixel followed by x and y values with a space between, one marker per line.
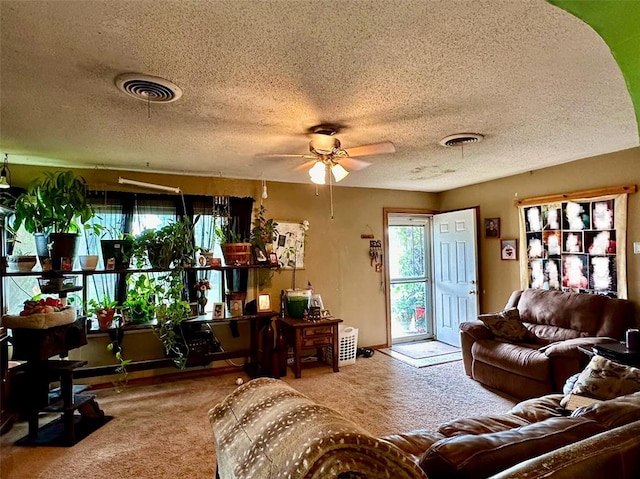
pixel 142 294
pixel 263 232
pixel 172 243
pixel 172 310
pixel 104 309
pixel 235 249
pixel 54 209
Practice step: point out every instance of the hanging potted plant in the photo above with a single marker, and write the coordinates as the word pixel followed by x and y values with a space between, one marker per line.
pixel 172 243
pixel 54 209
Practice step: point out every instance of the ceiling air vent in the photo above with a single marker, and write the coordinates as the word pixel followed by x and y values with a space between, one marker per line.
pixel 461 139
pixel 148 88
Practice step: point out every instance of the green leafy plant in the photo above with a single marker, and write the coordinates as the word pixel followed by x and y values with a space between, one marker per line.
pixel 94 306
pixel 171 243
pixel 264 231
pixel 142 294
pixel 57 204
pixel 173 309
pixel 226 234
pixel 121 370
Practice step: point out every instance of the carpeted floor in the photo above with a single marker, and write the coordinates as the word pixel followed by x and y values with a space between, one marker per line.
pixel 162 431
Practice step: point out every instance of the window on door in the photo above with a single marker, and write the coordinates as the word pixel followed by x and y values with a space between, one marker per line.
pixel 409 277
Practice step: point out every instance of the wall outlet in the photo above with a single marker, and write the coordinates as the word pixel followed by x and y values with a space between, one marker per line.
pixel 636 247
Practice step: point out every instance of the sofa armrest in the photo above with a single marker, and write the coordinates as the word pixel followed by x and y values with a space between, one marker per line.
pixel 569 347
pixel 476 330
pixel 470 332
pixel 265 428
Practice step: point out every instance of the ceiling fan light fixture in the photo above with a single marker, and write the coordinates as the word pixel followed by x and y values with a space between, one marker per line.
pixel 338 171
pixel 324 145
pixel 318 173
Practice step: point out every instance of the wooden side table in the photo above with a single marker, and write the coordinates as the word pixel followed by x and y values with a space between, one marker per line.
pixel 305 334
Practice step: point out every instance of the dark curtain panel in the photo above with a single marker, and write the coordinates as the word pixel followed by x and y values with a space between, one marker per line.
pixel 240 210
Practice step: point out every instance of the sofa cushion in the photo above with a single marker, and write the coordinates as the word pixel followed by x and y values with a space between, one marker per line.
pixel 538 409
pixel 478 456
pixel 481 424
pixel 507 325
pixel 605 379
pixel 523 359
pixel 614 412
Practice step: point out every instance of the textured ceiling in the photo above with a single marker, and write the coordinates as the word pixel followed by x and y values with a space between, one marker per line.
pixel 539 83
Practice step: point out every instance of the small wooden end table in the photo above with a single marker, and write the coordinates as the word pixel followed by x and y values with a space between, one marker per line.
pixel 307 334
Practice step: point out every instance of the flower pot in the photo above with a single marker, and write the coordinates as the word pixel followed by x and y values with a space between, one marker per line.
pixel 21 262
pixel 88 262
pixel 64 250
pixel 105 317
pixel 42 250
pixel 116 254
pixel 236 254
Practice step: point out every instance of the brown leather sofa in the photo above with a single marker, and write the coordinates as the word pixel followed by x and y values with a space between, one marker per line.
pixel 561 322
pixel 268 429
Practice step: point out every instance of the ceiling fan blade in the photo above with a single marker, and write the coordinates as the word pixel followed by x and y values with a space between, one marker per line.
pixel 372 149
pixel 279 155
pixel 351 164
pixel 306 165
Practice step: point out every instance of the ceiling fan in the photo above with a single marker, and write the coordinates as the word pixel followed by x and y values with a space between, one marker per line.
pixel 327 155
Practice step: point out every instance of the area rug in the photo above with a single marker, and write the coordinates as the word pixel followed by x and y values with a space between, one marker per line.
pixel 424 349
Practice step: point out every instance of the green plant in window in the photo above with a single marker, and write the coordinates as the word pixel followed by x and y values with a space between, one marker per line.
pixel 173 309
pixel 142 294
pixel 264 230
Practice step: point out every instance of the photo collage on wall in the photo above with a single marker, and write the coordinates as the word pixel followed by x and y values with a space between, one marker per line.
pixel 571 246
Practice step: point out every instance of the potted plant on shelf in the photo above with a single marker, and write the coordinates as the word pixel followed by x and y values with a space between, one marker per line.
pixel 172 243
pixel 142 294
pixel 53 210
pixel 263 233
pixel 104 309
pixel 235 250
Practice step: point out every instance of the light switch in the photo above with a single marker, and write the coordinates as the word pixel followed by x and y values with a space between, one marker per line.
pixel 636 247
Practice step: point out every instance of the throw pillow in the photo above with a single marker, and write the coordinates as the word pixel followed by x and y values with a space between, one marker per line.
pixel 507 325
pixel 605 379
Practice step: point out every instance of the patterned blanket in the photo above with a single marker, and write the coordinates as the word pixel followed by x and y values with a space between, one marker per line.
pixel 266 429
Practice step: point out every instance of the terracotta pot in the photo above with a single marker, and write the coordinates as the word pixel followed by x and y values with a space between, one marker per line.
pixel 237 254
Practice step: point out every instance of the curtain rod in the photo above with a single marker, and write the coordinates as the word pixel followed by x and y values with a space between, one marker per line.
pixel 153 186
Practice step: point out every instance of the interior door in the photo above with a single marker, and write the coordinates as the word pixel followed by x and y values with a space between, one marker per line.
pixel 455 273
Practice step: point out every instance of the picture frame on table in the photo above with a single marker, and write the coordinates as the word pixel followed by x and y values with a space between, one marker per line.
pixel 235 307
pixel 218 310
pixel 264 302
pixel 509 249
pixel 273 259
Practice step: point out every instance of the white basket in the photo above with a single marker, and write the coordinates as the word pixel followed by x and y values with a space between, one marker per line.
pixel 347 346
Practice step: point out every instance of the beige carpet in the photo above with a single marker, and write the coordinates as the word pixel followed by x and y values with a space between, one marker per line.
pixel 162 431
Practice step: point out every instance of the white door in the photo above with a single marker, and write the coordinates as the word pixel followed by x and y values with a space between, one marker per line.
pixel 455 273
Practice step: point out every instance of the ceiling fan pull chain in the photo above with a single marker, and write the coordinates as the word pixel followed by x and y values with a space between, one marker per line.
pixel 331 194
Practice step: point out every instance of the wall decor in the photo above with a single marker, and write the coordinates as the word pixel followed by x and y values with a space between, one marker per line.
pixel 235 307
pixel 290 243
pixel 575 242
pixel 492 227
pixel 509 249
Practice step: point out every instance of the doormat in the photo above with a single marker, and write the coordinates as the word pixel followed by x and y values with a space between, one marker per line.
pixel 424 349
pixel 423 353
pixel 423 362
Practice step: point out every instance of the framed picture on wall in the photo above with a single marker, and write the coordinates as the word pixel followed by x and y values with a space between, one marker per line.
pixel 509 249
pixel 492 227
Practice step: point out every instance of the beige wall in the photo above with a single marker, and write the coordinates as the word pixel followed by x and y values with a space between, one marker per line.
pixel 336 261
pixel 496 199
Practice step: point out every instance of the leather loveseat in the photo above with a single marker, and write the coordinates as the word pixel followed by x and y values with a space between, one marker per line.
pixel 268 430
pixel 557 323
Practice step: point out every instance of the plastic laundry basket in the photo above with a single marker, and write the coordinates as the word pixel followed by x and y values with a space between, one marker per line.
pixel 347 346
